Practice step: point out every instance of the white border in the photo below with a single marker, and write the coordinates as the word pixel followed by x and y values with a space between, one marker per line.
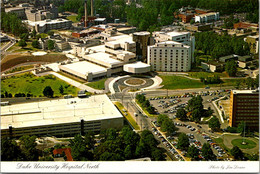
pixel 132 166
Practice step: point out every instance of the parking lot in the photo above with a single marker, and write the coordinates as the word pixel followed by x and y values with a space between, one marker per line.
pixel 169 105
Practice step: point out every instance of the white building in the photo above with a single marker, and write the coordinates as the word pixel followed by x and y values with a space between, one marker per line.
pixel 207 17
pixel 61 117
pixel 169 56
pixel 181 37
pixel 48 24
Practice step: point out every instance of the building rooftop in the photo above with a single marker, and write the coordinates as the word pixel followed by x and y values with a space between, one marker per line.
pixel 47 21
pixel 104 57
pixel 122 39
pixel 142 33
pixel 137 65
pixel 13 8
pixel 207 14
pixel 58 111
pixel 100 19
pixel 245 91
pixel 84 67
pixel 175 33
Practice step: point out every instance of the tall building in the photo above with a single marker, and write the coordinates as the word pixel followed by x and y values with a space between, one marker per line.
pixel 169 56
pixel 244 106
pixel 207 17
pixel 142 40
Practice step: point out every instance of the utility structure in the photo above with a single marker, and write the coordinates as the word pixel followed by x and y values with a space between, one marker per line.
pixel 86 15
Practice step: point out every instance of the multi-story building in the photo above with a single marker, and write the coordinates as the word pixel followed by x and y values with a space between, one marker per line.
pixel 19 11
pixel 253 42
pixel 182 37
pixel 207 17
pixel 142 40
pixel 169 56
pixel 244 106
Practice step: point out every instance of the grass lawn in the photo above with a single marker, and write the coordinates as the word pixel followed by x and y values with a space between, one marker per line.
pixel 73 18
pixel 198 75
pixel 21 68
pixel 100 84
pixel 28 83
pixel 128 116
pixel 17 48
pixel 220 142
pixel 44 35
pixel 177 82
pixel 249 143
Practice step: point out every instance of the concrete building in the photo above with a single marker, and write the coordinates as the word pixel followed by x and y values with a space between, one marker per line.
pixel 185 17
pixel 225 59
pixel 244 106
pixel 170 56
pixel 212 66
pixel 207 17
pixel 45 25
pixel 19 11
pixel 137 68
pixel 86 70
pixel 253 42
pixel 142 40
pixel 61 118
pixel 246 25
pixel 198 27
pixel 182 37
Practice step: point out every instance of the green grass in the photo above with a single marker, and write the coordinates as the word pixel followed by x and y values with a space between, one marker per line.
pixel 238 142
pixel 100 84
pixel 73 18
pixel 44 35
pixel 220 142
pixel 17 48
pixel 198 75
pixel 28 83
pixel 177 82
pixel 128 116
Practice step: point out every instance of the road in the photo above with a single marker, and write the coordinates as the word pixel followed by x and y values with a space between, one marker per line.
pixel 8 45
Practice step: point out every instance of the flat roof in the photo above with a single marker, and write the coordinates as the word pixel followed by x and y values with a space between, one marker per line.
pixel 47 21
pixel 137 65
pixel 142 33
pixel 105 57
pixel 85 67
pixel 58 111
pixel 245 91
pixel 99 48
pixel 207 14
pixel 122 38
pixel 100 19
pixel 175 33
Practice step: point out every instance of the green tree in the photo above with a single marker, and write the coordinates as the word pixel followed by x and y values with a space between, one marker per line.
pixel 158 154
pixel 257 81
pixel 237 153
pixel 181 114
pixel 24 36
pixel 192 21
pixel 207 152
pixel 35 44
pixel 250 83
pixel 231 68
pixel 214 123
pixel 50 33
pixel 61 89
pixel 50 44
pixel 10 151
pixel 33 34
pixel 241 127
pixel 79 150
pixel 22 43
pixel 196 115
pixel 193 152
pixel 183 142
pixel 48 92
pixel 28 148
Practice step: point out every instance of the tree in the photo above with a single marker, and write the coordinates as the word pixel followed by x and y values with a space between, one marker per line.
pixel 10 151
pixel 50 44
pixel 237 153
pixel 61 89
pixel 241 127
pixel 207 152
pixel 50 33
pixel 24 36
pixel 181 114
pixel 214 123
pixel 33 34
pixel 79 150
pixel 192 21
pixel 250 83
pixel 231 68
pixel 35 44
pixel 183 142
pixel 257 81
pixel 22 43
pixel 193 152
pixel 196 115
pixel 28 148
pixel 158 154
pixel 48 92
